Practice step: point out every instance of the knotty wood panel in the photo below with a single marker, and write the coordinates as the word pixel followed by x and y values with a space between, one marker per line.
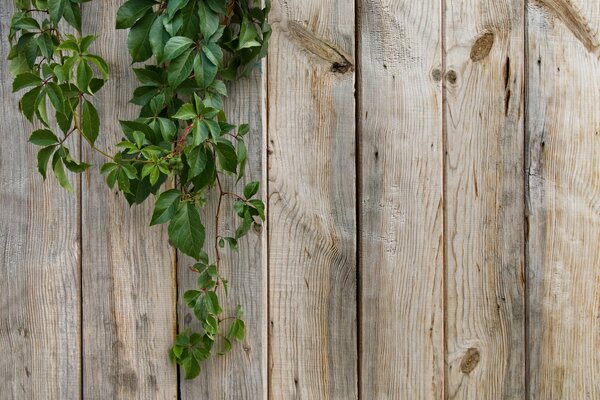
pixel 128 268
pixel 400 133
pixel 40 348
pixel 563 154
pixel 242 373
pixel 484 199
pixel 312 223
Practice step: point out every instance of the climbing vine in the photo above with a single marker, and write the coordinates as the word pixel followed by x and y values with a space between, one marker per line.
pixel 190 48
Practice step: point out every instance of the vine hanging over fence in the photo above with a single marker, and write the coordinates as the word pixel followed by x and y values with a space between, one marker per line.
pixel 181 135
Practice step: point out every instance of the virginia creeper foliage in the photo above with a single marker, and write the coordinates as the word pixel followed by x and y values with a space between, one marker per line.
pixel 190 48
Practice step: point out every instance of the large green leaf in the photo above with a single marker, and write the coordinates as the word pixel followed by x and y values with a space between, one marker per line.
pixel 165 206
pixel 131 11
pixel 180 69
pixel 138 41
pixel 176 46
pixel 186 231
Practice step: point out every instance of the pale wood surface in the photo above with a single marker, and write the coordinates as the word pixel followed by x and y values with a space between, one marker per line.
pixel 512 303
pixel 484 199
pixel 563 252
pixel 242 373
pixel 128 267
pixel 401 221
pixel 312 230
pixel 40 348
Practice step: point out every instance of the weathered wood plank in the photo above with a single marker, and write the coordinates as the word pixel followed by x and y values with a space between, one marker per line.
pixel 39 275
pixel 128 268
pixel 563 154
pixel 242 373
pixel 312 223
pixel 401 219
pixel 484 199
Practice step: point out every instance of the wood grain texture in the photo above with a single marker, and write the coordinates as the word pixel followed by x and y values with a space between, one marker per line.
pixel 40 349
pixel 312 222
pixel 563 155
pixel 484 199
pixel 242 373
pixel 128 268
pixel 401 218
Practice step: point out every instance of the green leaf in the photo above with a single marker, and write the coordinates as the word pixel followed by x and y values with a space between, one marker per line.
pixel 237 330
pixel 131 11
pixel 165 206
pixel 227 156
pixel 29 102
pixel 197 161
pixel 186 112
pixel 56 8
pixel 90 122
pixel 191 367
pixel 200 132
pixel 72 14
pixel 217 6
pixel 43 137
pixel 242 154
pixel 186 230
pixel 43 157
pixel 190 297
pixel 158 37
pixel 251 189
pixel 204 71
pixel 175 5
pixel 138 41
pixel 84 76
pixel 27 79
pixel 180 69
pixel 59 172
pixel 56 97
pixel 247 34
pixel 209 21
pixel 176 46
pixel 211 301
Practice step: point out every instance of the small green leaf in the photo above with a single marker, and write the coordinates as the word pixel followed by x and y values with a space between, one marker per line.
pixel 176 46
pixel 237 330
pixel 84 76
pixel 25 80
pixel 90 122
pixel 43 157
pixel 43 137
pixel 186 112
pixel 227 156
pixel 247 34
pixel 251 189
pixel 191 367
pixel 59 172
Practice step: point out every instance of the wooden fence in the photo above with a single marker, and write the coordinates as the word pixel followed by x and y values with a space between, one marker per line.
pixel 432 170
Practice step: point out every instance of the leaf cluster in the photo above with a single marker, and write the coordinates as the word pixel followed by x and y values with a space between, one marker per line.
pixel 189 49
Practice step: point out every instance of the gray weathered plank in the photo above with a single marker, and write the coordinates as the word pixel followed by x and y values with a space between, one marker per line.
pixel 484 199
pixel 128 268
pixel 401 252
pixel 39 275
pixel 312 222
pixel 563 155
pixel 242 373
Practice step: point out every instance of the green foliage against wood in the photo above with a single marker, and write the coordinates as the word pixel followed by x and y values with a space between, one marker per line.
pixel 192 48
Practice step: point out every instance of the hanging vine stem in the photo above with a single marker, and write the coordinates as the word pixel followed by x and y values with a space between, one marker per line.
pixel 181 132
